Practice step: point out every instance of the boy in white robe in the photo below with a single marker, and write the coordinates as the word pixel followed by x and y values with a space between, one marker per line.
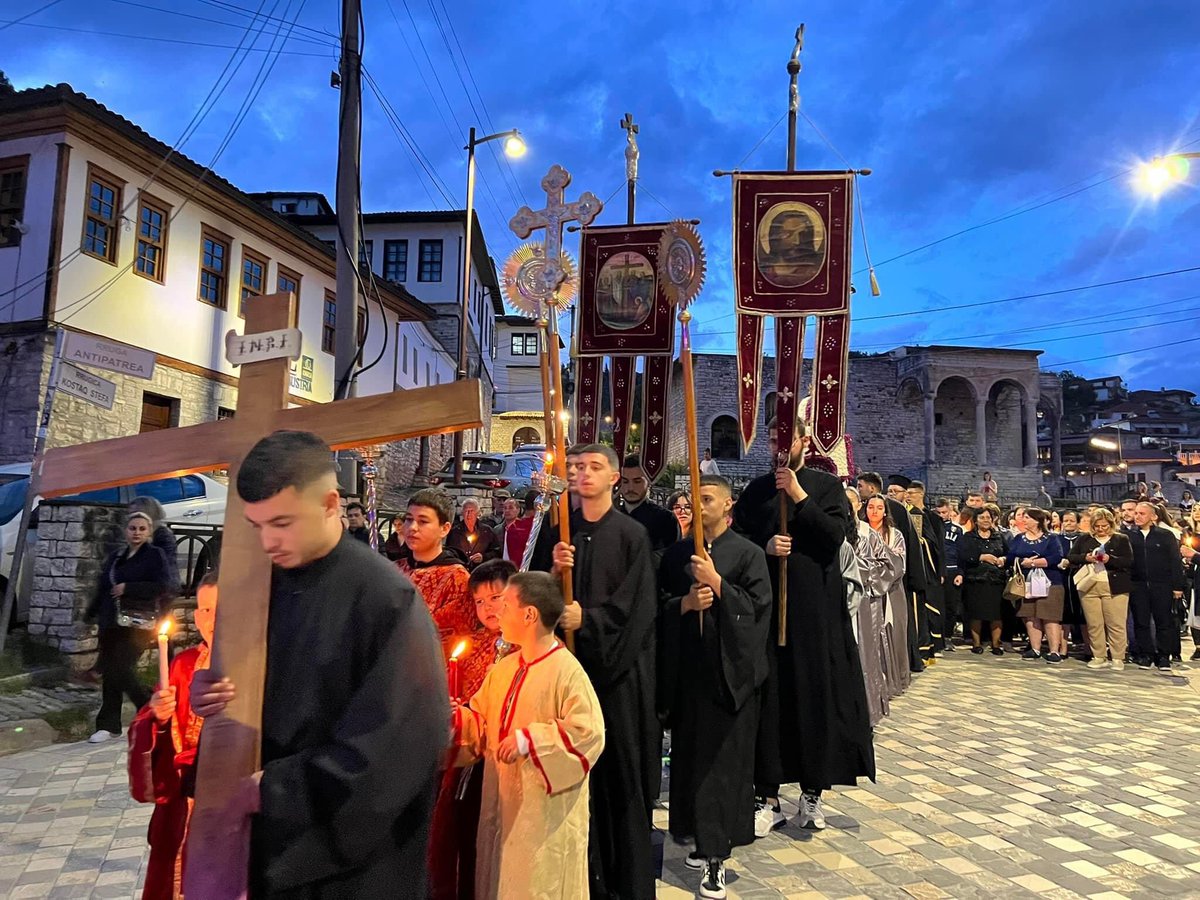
pixel 537 725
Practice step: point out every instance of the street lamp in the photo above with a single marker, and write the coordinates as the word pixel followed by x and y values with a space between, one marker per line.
pixel 1159 174
pixel 514 146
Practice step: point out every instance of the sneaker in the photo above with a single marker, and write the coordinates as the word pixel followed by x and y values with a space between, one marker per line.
pixel 1097 663
pixel 1030 653
pixel 811 814
pixel 1144 663
pixel 977 650
pixel 1163 666
pixel 997 651
pixel 1053 658
pixel 767 818
pixel 950 648
pixel 1176 658
pixel 1195 654
pixel 101 736
pixel 695 860
pixel 712 885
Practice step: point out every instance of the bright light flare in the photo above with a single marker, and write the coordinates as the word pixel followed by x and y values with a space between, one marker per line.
pixel 1104 444
pixel 514 146
pixel 459 650
pixel 165 628
pixel 1159 174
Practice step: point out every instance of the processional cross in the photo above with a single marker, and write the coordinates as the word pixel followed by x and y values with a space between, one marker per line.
pixel 218 841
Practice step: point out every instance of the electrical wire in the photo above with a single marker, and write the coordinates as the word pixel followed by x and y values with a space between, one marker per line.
pixel 30 15
pixel 155 39
pixel 325 40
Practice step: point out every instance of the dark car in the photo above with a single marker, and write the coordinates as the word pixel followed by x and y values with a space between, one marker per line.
pixel 512 472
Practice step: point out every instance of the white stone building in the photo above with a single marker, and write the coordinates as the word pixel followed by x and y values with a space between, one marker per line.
pixel 105 231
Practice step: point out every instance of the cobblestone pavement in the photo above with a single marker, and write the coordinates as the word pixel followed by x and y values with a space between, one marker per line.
pixel 35 702
pixel 998 777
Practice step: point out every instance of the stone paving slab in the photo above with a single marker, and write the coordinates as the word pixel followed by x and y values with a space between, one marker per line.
pixel 998 778
pixel 34 702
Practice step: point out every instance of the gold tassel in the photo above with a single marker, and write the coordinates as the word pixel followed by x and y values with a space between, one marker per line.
pixel 875 292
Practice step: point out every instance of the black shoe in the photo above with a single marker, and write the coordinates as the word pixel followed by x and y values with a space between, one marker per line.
pixel 997 651
pixel 695 860
pixel 1195 654
pixel 1030 653
pixel 1053 658
pixel 977 650
pixel 1143 662
pixel 1176 658
pixel 1163 664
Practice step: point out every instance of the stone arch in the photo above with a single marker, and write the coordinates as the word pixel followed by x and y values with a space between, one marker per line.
pixel 525 435
pixel 724 438
pixel 1005 416
pixel 955 437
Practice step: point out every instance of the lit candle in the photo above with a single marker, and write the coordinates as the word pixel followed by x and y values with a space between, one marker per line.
pixel 455 685
pixel 164 675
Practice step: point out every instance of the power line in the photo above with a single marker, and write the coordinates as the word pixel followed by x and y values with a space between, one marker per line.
pixel 154 39
pixel 326 40
pixel 21 21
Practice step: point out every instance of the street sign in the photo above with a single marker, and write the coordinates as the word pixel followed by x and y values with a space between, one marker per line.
pixel 248 348
pixel 78 383
pixel 101 353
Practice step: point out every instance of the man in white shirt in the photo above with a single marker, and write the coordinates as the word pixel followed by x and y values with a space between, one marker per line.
pixel 708 465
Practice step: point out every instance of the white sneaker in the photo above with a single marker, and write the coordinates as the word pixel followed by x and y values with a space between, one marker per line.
pixel 811 814
pixel 1098 663
pixel 695 861
pixel 1118 665
pixel 712 883
pixel 766 819
pixel 101 736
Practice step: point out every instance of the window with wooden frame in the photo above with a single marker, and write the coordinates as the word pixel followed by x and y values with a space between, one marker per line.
pixel 101 216
pixel 395 260
pixel 214 267
pixel 366 253
pixel 286 280
pixel 153 219
pixel 329 322
pixel 431 261
pixel 14 175
pixel 254 277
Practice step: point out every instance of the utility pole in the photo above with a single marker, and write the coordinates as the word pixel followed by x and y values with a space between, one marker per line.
pixel 347 352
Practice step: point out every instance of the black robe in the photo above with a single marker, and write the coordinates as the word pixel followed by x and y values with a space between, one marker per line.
pixel 354 727
pixel 933 555
pixel 614 583
pixel 714 678
pixel 659 523
pixel 814 728
pixel 914 580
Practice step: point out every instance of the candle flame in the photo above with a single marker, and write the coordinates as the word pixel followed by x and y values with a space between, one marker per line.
pixel 165 628
pixel 471 538
pixel 459 650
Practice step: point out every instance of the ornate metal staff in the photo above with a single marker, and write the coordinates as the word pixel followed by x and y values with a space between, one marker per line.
pixel 369 473
pixel 681 267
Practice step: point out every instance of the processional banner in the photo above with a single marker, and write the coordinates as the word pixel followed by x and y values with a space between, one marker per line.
pixel 624 313
pixel 791 260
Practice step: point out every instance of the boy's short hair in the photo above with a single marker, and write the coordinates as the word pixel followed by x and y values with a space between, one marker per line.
pixel 541 591
pixel 490 572
pixel 354 504
pixel 609 454
pixel 282 460
pixel 438 501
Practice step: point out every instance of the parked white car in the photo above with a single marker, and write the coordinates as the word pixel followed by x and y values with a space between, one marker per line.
pixel 190 499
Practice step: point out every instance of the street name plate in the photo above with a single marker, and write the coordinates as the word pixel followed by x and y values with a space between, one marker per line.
pixel 101 353
pixel 78 383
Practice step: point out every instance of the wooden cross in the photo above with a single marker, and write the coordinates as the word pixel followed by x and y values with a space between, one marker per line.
pixel 555 214
pixel 218 853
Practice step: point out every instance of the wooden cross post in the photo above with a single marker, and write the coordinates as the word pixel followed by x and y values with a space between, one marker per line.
pixel 552 217
pixel 218 843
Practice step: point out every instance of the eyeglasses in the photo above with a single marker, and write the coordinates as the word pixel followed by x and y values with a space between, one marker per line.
pixel 681 508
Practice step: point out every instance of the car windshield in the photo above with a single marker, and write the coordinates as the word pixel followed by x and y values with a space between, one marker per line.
pixel 12 499
pixel 482 465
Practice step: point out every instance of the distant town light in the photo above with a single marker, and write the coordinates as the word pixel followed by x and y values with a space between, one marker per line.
pixel 1104 444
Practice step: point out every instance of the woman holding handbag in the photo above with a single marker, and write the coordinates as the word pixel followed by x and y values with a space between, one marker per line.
pixel 1105 559
pixel 134 585
pixel 1038 554
pixel 981 558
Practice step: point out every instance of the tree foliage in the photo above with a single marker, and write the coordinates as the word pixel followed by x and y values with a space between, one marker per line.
pixel 1079 401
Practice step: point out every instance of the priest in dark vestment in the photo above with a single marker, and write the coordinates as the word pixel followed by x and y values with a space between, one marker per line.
pixel 662 527
pixel 814 726
pixel 614 623
pixel 355 713
pixel 713 677
pixel 870 484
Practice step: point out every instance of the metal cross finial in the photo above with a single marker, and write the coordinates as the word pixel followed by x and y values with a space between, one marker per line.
pixel 555 214
pixel 631 147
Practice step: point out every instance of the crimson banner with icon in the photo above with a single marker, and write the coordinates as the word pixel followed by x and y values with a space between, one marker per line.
pixel 623 309
pixel 831 367
pixel 588 390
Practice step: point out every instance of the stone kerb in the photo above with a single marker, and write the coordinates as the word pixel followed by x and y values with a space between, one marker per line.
pixel 73 540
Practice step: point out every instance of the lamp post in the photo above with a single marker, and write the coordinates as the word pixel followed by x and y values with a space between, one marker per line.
pixel 1160 173
pixel 514 146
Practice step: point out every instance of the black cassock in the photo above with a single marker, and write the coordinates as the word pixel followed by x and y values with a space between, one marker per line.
pixel 713 679
pixel 355 724
pixel 914 581
pixel 933 558
pixel 614 583
pixel 814 728
pixel 660 525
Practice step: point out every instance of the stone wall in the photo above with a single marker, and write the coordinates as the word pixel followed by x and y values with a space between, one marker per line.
pixel 73 541
pixel 24 368
pixel 1004 431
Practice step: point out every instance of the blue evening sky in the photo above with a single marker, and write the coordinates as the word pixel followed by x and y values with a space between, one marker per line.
pixel 966 111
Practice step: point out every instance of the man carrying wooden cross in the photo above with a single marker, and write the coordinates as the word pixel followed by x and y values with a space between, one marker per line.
pixel 355 683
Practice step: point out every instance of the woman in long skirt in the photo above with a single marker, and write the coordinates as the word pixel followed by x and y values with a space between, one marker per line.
pixel 896 668
pixel 875 566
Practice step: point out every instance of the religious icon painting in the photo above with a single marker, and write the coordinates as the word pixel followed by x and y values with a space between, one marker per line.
pixel 623 309
pixel 791 251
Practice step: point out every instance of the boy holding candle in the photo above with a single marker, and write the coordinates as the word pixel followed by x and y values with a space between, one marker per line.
pixel 162 753
pixel 537 725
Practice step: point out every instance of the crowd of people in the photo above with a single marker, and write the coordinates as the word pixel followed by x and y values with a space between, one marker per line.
pixel 532 768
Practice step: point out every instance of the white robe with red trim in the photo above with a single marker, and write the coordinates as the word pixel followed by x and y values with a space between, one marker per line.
pixel 533 823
